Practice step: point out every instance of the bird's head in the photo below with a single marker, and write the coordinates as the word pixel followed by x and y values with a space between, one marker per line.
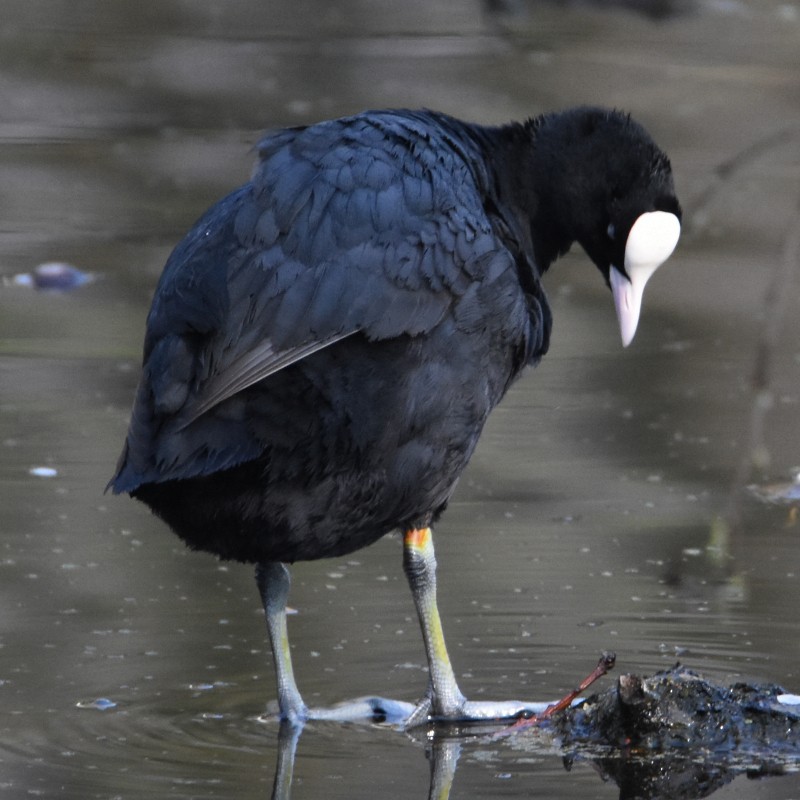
pixel 649 243
pixel 612 191
pixel 637 225
pixel 635 219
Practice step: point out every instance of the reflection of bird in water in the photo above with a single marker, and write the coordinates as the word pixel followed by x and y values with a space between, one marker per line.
pixel 325 345
pixel 442 754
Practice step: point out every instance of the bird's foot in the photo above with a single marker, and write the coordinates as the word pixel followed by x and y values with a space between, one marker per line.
pixel 361 709
pixel 473 712
pixel 524 714
pixel 455 710
pixel 376 709
pixel 421 715
pixel 407 715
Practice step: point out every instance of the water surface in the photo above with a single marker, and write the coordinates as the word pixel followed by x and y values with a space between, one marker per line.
pixel 584 520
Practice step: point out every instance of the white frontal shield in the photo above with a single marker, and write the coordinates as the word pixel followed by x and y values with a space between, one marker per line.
pixel 651 241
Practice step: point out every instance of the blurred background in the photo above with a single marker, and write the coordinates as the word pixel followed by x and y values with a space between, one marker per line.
pixel 607 505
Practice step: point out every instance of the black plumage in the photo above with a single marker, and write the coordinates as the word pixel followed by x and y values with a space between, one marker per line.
pixel 327 342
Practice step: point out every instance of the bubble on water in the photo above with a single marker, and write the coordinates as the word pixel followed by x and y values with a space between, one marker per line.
pixel 43 472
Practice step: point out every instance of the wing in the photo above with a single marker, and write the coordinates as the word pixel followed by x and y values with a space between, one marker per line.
pixel 373 224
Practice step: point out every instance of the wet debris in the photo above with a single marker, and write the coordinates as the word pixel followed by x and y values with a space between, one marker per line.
pixel 526 720
pixel 52 275
pixel 676 735
pixel 100 704
pixel 678 708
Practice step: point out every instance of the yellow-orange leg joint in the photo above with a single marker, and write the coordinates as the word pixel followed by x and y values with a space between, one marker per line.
pixel 418 538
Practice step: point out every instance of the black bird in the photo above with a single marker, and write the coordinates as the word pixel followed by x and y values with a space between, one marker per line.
pixel 326 344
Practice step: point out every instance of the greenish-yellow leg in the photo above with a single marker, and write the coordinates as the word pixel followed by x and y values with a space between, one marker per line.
pixel 273 584
pixel 444 699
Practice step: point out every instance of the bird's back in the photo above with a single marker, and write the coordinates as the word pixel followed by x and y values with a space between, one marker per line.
pixel 337 331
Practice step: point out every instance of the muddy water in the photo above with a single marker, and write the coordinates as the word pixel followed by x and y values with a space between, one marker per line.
pixel 131 668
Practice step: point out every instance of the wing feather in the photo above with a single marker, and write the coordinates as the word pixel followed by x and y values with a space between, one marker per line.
pixel 373 225
pixel 248 369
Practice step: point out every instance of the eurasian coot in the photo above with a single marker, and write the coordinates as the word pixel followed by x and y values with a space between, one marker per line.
pixel 326 343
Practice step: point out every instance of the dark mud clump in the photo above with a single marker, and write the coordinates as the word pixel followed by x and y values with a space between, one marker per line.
pixel 677 735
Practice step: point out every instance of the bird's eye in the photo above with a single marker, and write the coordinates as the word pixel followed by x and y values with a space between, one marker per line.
pixel 611 231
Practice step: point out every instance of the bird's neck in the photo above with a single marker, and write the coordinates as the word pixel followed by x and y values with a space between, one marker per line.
pixel 526 193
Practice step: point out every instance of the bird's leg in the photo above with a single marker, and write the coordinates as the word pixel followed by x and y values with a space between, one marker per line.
pixel 273 583
pixel 444 701
pixel 444 698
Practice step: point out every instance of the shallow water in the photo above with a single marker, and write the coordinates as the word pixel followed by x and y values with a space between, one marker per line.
pixel 584 520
